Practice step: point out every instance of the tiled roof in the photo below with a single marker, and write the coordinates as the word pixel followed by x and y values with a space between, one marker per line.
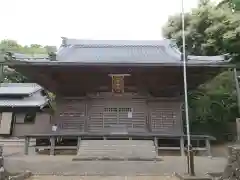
pixel 126 51
pixel 119 51
pixel 18 88
pixel 116 54
pixel 36 100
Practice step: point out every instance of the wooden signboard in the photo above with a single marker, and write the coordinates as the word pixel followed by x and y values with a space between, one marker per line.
pixel 118 83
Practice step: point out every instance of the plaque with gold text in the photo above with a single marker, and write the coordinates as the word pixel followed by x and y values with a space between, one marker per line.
pixel 118 83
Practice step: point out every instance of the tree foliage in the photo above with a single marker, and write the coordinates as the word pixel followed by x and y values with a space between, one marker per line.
pixel 214 105
pixel 10 75
pixel 234 5
pixel 210 29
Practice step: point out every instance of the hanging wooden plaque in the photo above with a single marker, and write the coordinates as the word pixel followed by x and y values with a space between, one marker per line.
pixel 118 82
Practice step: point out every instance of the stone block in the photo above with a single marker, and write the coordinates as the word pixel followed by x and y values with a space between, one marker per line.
pixel 21 176
pixel 232 169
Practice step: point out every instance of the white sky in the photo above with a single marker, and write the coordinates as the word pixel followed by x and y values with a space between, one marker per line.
pixel 45 21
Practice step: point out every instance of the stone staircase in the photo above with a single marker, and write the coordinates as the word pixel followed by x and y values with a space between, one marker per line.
pixel 117 150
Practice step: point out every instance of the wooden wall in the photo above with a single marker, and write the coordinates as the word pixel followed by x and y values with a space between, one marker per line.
pixel 42 124
pixel 97 113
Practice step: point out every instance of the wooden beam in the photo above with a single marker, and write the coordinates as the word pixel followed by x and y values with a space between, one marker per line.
pixel 81 80
pixel 51 84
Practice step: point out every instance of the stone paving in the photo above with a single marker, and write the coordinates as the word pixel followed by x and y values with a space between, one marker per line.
pixel 15 161
pixel 63 165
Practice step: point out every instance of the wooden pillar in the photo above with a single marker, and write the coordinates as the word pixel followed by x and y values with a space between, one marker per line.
pixel 78 143
pixel 86 120
pixel 230 152
pixel 2 170
pixel 208 147
pixel 238 128
pixel 182 148
pixel 26 145
pixel 1 73
pixel 1 156
pixel 156 145
pixel 52 147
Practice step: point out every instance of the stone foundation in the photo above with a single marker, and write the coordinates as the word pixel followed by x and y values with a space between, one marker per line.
pixel 232 170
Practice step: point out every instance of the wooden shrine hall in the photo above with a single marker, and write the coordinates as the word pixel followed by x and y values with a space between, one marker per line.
pixel 118 88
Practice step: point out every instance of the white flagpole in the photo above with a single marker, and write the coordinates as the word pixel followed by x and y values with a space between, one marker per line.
pixel 185 84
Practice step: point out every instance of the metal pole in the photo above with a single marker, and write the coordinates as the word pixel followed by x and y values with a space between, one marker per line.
pixel 186 92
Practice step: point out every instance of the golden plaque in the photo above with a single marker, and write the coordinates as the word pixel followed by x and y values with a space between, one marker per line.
pixel 118 83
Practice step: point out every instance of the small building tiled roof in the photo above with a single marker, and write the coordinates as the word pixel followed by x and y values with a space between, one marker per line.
pixel 90 52
pixel 32 101
pixel 21 89
pixel 16 95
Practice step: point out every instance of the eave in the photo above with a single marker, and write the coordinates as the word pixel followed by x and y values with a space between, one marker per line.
pixel 81 79
pixel 96 64
pixel 154 66
pixel 23 109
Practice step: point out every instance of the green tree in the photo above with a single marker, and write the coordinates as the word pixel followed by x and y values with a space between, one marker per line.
pixel 210 30
pixel 8 45
pixel 233 4
pixel 35 46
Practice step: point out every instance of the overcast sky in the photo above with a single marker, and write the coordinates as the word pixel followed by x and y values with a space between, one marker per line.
pixel 45 21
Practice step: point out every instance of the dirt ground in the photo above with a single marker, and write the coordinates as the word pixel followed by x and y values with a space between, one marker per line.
pixel 103 178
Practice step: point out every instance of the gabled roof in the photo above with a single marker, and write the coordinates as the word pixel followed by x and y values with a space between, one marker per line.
pixel 32 101
pixel 14 95
pixel 18 89
pixel 118 52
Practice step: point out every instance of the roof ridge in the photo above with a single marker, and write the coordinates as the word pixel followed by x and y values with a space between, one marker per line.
pixel 114 43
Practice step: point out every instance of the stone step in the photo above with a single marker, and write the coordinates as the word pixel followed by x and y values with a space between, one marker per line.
pixel 119 145
pixel 130 149
pixel 117 142
pixel 117 149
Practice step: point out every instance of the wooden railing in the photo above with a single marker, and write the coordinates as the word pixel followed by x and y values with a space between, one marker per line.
pixel 153 136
